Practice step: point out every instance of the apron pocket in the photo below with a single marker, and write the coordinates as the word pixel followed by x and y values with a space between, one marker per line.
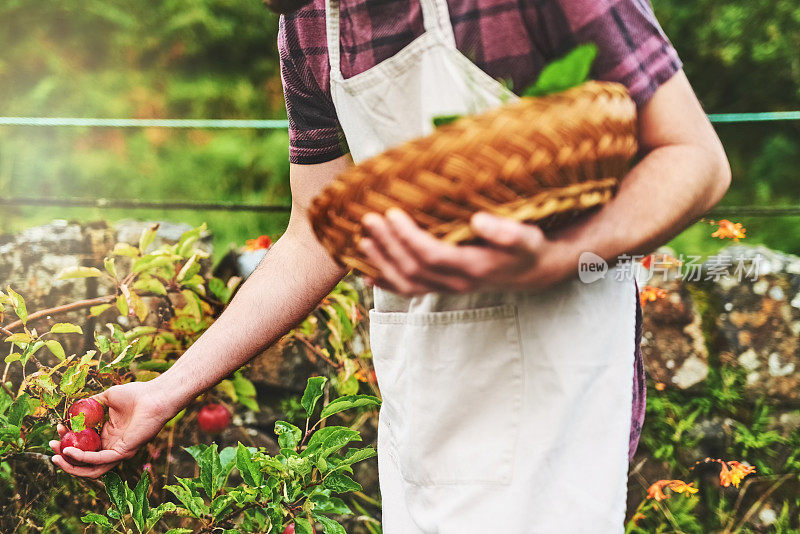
pixel 453 387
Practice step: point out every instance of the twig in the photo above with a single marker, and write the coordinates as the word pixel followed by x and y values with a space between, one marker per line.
pixel 65 308
pixel 318 352
pixel 6 332
pixel 756 505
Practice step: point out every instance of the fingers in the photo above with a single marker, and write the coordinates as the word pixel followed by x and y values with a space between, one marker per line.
pixel 89 471
pixel 508 233
pixel 411 261
pixel 61 430
pixel 55 445
pixel 390 278
pixel 102 397
pixel 107 456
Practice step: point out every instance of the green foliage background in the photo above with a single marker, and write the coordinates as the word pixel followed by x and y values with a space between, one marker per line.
pixel 218 59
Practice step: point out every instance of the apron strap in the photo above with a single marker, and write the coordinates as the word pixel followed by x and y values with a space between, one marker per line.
pixel 435 17
pixel 332 33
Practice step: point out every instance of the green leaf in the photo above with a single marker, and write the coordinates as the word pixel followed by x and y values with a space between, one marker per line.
pixel 19 304
pixel 155 514
pixel 211 471
pixel 56 348
pixel 140 505
pixel 358 455
pixel 188 495
pixel 151 262
pixel 180 531
pixel 441 120
pixel 340 483
pixel 124 249
pixel 245 391
pixel 73 379
pixel 193 304
pixel 94 311
pixel 221 506
pixel 80 272
pixel 348 402
pixel 45 382
pixel 102 342
pixel 20 408
pixel 66 328
pixel 117 492
pixel 98 519
pixel 122 305
pixel 329 526
pixel 302 526
pixel 77 423
pixel 51 399
pixel 188 239
pixel 19 337
pixel 244 463
pixel 564 73
pixel 186 267
pixel 288 434
pixel 326 504
pixel 13 357
pixel 220 290
pixel 147 237
pixel 330 439
pixel 312 393
pixel 111 269
pixel 149 285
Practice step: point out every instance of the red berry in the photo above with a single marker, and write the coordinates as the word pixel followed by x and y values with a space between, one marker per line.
pixel 85 440
pixel 213 418
pixel 289 529
pixel 92 411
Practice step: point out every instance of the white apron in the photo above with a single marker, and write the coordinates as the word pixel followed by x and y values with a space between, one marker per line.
pixel 503 412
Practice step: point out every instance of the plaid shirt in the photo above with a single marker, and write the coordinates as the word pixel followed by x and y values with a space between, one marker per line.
pixel 509 39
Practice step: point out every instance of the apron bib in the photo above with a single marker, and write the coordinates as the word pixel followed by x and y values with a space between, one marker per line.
pixel 502 411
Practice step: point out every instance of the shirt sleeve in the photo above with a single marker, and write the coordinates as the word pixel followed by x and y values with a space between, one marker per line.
pixel 632 48
pixel 314 131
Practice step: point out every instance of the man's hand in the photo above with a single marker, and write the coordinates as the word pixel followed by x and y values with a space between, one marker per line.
pixel 136 415
pixel 411 261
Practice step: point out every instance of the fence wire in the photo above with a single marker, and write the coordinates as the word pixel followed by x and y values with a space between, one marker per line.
pixel 276 124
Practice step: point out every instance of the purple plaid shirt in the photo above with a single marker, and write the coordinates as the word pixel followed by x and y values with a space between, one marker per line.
pixel 509 39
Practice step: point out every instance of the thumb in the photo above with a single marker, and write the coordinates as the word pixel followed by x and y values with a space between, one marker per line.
pixel 507 233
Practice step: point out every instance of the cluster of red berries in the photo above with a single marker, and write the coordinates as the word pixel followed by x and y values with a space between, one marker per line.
pixel 93 415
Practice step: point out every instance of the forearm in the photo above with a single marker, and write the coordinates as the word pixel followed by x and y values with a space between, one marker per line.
pixel 668 190
pixel 293 277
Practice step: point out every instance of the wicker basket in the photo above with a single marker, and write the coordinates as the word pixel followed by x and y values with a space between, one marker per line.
pixel 542 160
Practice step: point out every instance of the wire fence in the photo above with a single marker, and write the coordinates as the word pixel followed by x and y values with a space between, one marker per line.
pixel 277 124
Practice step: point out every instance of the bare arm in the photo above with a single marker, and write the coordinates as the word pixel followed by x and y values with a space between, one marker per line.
pixel 289 282
pixel 684 174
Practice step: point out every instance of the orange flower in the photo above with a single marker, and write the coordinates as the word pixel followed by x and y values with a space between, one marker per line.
pixel 261 242
pixel 665 260
pixel 680 486
pixel 733 472
pixel 651 294
pixel 638 516
pixel 656 490
pixel 728 230
pixel 660 386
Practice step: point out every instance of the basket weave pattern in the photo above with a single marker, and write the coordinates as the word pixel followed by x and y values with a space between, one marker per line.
pixel 539 160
